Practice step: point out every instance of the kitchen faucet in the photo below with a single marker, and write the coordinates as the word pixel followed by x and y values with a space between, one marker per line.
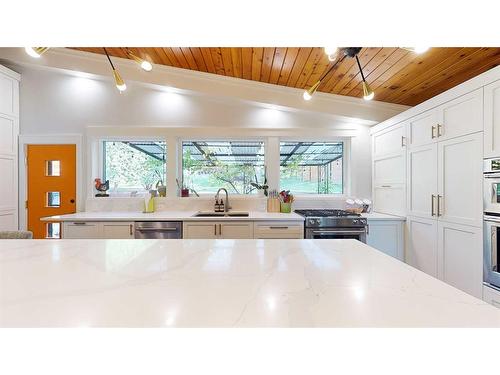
pixel 226 204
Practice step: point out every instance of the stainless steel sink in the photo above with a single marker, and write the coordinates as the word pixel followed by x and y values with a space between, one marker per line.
pixel 221 214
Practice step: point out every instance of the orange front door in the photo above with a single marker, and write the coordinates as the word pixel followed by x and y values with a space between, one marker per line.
pixel 51 186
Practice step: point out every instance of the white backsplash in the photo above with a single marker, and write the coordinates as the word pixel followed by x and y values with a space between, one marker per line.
pixel 204 203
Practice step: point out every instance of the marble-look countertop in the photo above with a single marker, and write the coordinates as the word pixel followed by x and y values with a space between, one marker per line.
pixel 169 216
pixel 188 216
pixel 223 283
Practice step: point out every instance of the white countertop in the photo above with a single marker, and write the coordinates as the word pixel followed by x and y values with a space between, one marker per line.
pixel 188 216
pixel 379 216
pixel 169 215
pixel 224 283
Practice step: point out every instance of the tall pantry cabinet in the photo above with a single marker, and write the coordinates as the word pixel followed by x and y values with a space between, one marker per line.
pixel 9 132
pixel 443 150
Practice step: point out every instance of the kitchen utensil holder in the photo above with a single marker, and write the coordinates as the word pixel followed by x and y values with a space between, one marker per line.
pixel 286 208
pixel 273 205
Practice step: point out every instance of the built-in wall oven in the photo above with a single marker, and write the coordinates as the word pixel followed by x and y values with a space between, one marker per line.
pixel 491 258
pixel 491 202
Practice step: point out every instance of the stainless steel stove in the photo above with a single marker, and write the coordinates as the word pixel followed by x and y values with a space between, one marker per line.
pixel 334 224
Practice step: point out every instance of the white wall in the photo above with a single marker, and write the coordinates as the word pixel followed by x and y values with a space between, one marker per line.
pixel 55 102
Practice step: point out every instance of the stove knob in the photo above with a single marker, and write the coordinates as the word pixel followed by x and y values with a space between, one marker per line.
pixel 355 221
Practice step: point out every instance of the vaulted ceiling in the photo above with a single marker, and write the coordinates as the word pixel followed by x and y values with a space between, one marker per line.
pixel 395 74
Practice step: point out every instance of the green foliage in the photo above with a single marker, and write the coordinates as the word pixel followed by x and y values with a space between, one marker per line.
pixel 127 167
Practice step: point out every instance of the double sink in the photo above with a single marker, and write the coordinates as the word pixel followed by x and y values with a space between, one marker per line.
pixel 221 214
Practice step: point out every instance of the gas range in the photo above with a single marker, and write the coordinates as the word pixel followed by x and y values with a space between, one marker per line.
pixel 331 218
pixel 334 224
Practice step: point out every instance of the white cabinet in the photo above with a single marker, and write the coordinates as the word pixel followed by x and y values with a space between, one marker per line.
pixel 460 257
pixel 387 236
pixel 278 229
pixel 81 230
pixel 235 230
pixel 422 181
pixel 492 296
pixel 199 230
pixel 461 116
pixel 422 245
pixel 211 229
pixel 98 230
pixel 117 230
pixel 460 171
pixel 492 120
pixel 389 170
pixel 448 251
pixel 9 132
pixel 422 129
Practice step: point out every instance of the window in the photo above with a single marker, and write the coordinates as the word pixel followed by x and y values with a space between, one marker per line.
pixel 312 167
pixel 235 165
pixel 134 166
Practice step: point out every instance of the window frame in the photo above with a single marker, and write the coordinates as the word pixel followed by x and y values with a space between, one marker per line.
pixel 346 166
pixel 100 147
pixel 180 163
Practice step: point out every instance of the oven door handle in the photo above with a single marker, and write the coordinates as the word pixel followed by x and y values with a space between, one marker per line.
pixel 491 175
pixel 361 231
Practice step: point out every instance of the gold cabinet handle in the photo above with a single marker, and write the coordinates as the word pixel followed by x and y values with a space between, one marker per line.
pixel 130 227
pixel 215 229
pixel 440 130
pixel 432 204
pixel 439 213
pixel 220 229
pixel 403 144
pixel 433 128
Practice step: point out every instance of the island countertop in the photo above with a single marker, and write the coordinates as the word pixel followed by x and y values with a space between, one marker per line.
pixel 223 283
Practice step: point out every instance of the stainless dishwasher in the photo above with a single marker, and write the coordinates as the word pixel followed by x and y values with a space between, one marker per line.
pixel 158 229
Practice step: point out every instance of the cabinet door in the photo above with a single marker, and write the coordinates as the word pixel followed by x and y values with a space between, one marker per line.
pixel 390 199
pixel 461 116
pixel 236 230
pixel 422 245
pixel 81 230
pixel 390 169
pixel 492 120
pixel 117 230
pixel 193 230
pixel 386 236
pixel 422 129
pixel 460 180
pixel 422 181
pixel 389 141
pixel 460 259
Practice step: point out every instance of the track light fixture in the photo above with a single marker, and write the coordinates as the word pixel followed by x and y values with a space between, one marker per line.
pixel 144 64
pixel 36 52
pixel 120 84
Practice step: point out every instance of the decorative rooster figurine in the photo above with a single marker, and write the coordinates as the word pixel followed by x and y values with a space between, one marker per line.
pixel 101 187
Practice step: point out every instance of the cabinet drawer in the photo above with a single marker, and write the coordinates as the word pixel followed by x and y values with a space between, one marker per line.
pixel 390 199
pixel 279 230
pixel 81 230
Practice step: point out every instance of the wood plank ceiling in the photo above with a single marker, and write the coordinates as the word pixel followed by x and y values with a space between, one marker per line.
pixel 396 75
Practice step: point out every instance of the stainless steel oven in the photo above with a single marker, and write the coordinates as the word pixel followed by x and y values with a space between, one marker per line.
pixel 337 233
pixel 491 255
pixel 491 186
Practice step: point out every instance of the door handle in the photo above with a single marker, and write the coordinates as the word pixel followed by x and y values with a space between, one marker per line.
pixel 130 226
pixel 439 128
pixel 220 229
pixel 403 141
pixel 432 204
pixel 439 213
pixel 215 229
pixel 433 128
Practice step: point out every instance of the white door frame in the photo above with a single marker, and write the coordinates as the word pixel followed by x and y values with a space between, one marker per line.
pixel 47 139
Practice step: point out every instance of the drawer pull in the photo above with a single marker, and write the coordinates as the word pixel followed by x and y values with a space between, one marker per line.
pixel 79 223
pixel 386 186
pixel 278 227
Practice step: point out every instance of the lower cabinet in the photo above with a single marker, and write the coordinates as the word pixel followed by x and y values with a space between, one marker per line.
pixel 387 236
pixel 98 230
pixel 211 229
pixel 278 230
pixel 492 296
pixel 448 251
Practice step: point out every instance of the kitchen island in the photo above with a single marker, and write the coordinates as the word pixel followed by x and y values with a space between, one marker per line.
pixel 223 283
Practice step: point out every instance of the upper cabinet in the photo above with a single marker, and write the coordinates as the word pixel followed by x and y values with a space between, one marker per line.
pixel 492 120
pixel 422 129
pixel 389 142
pixel 461 116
